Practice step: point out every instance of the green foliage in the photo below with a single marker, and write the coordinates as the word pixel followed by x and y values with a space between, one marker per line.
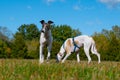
pixel 32 48
pixel 108 43
pixel 29 32
pixel 5 34
pixel 5 44
pixel 62 32
pixel 3 48
pixel 26 42
pixel 55 48
pixel 19 48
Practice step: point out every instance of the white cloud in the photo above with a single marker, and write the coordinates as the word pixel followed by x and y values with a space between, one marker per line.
pixel 94 22
pixel 76 7
pixel 52 1
pixel 80 7
pixel 89 8
pixel 110 3
pixel 62 0
pixel 49 1
pixel 29 7
pixel 12 18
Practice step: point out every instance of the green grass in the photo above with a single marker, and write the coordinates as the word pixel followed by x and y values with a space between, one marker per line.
pixel 13 69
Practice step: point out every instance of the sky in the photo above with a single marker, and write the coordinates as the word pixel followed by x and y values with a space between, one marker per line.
pixel 89 16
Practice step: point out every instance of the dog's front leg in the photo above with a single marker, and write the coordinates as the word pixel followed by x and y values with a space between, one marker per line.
pixel 41 56
pixel 68 54
pixel 78 58
pixel 49 51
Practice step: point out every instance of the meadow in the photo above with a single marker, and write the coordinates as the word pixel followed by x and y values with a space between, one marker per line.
pixel 24 69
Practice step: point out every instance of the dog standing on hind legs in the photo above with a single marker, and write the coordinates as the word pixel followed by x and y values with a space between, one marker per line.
pixel 74 45
pixel 45 39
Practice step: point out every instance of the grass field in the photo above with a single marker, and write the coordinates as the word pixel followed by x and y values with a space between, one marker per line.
pixel 16 69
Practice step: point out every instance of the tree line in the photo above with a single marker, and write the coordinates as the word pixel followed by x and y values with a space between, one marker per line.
pixel 25 42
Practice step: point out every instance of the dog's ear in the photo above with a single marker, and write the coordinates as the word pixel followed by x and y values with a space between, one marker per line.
pixel 42 21
pixel 50 22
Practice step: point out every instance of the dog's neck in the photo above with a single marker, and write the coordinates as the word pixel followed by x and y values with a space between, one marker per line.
pixel 47 34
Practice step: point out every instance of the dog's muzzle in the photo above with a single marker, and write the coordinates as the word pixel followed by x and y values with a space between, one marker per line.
pixel 42 31
pixel 57 60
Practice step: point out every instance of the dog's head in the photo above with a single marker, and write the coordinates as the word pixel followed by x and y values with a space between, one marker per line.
pixel 59 57
pixel 45 26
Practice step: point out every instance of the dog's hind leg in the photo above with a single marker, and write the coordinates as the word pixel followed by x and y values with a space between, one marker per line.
pixel 86 50
pixel 94 51
pixel 98 55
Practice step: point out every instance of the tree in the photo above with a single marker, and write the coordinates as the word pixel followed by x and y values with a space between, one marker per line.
pixel 29 32
pixel 116 30
pixel 5 34
pixel 33 48
pixel 19 48
pixel 62 32
pixel 5 43
pixel 102 44
pixel 108 43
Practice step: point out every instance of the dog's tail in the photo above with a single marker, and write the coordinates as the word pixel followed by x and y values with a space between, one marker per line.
pixel 93 46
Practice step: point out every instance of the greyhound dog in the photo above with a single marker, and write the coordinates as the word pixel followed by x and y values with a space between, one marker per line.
pixel 74 45
pixel 45 39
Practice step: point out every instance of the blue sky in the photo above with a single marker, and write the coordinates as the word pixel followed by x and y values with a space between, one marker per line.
pixel 88 16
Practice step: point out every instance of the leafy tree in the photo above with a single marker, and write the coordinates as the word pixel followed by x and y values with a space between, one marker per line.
pixel 19 48
pixel 75 32
pixel 62 32
pixel 5 34
pixel 114 47
pixel 108 43
pixel 33 48
pixel 29 32
pixel 116 30
pixel 102 44
pixel 5 44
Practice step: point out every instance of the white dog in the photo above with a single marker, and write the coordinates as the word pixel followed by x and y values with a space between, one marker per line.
pixel 45 39
pixel 74 44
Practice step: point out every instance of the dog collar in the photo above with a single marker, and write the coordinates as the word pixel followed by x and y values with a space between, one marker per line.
pixel 75 45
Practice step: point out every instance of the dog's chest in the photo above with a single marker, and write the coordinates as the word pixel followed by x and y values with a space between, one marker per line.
pixel 45 39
